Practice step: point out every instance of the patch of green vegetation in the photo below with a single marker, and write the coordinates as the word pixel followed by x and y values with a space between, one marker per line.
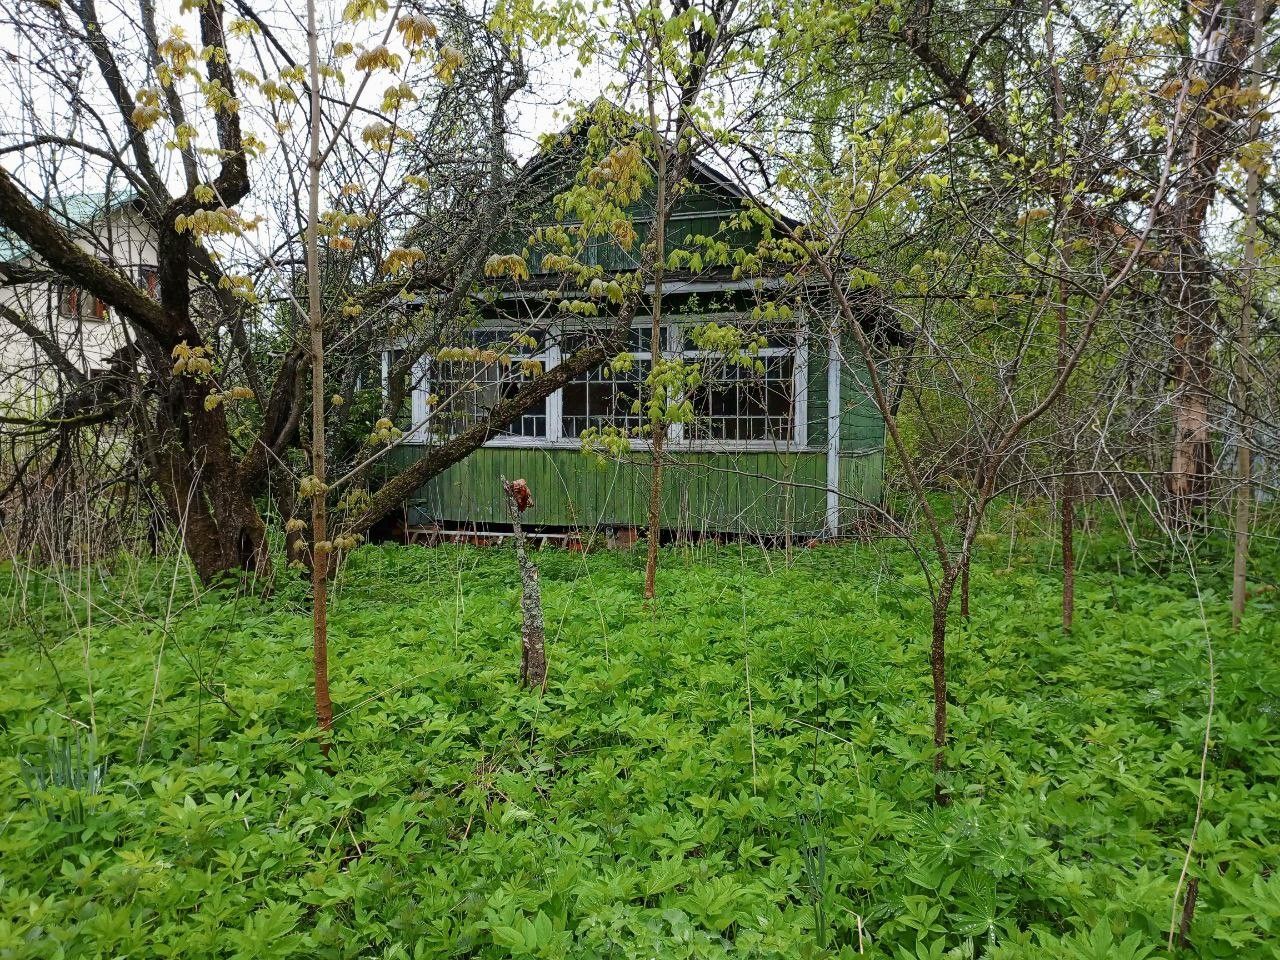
pixel 742 771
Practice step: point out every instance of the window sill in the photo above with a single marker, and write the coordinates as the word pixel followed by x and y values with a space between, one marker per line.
pixel 671 446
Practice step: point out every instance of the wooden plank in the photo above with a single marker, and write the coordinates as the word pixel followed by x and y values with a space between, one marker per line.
pixel 739 492
pixel 816 415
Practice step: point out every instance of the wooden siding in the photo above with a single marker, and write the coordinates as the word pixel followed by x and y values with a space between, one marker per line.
pixel 861 483
pixel 861 426
pixel 757 492
pixel 817 386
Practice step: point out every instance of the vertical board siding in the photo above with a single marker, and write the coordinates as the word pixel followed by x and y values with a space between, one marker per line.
pixel 758 492
pixel 861 425
pixel 816 415
pixel 861 483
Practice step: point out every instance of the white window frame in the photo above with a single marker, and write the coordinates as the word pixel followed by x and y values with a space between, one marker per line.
pixel 799 351
pixel 418 393
pixel 673 330
pixel 549 356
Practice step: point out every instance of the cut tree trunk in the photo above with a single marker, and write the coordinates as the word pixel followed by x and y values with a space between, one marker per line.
pixel 533 650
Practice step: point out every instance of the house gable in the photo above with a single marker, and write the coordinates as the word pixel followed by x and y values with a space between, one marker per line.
pixel 707 231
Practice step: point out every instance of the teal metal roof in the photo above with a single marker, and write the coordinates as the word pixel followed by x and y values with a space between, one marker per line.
pixel 11 248
pixel 75 210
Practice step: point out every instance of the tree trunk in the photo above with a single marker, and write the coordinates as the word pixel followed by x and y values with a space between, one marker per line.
pixel 1062 245
pixel 1068 519
pixel 533 649
pixel 320 546
pixel 659 425
pixel 655 520
pixel 202 487
pixel 222 531
pixel 1188 481
pixel 1188 912
pixel 1244 448
pixel 1214 134
pixel 1067 516
pixel 938 668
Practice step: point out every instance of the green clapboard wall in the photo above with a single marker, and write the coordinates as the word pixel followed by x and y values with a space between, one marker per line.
pixel 757 492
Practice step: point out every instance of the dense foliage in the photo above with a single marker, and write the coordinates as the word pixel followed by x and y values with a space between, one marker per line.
pixel 743 770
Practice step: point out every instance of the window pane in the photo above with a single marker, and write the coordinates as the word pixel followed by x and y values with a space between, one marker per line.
pixel 740 403
pixel 642 339
pixel 467 391
pixel 593 399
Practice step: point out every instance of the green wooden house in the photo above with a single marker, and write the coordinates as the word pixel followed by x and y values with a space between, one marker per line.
pixel 793 446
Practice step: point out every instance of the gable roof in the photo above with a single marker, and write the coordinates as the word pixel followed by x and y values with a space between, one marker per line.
pixel 699 169
pixel 685 282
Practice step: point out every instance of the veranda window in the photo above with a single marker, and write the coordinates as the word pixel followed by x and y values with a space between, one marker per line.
pixel 596 399
pixel 467 390
pixel 751 402
pixel 735 406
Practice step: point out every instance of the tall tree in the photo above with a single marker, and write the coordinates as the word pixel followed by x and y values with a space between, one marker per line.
pixel 1243 371
pixel 416 191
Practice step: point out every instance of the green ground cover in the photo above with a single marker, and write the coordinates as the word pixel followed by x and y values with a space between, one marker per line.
pixel 743 771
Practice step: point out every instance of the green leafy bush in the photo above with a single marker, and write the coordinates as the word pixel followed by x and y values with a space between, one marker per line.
pixel 742 771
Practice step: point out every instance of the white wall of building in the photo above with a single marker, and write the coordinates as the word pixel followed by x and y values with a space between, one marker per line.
pixel 80 325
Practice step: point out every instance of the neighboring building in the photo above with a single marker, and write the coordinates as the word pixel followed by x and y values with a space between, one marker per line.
pixel 111 229
pixel 796 447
